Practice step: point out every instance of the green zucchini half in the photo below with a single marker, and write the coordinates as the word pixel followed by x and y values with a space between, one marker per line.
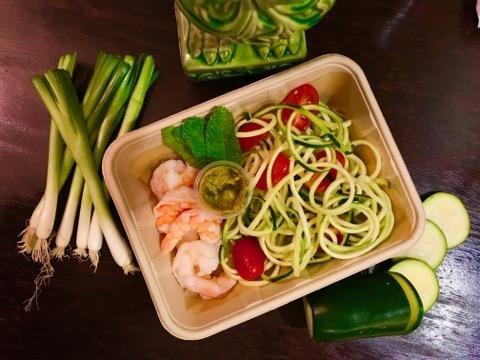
pixel 361 306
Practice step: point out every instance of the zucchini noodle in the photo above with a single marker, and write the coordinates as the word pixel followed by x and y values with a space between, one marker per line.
pixel 309 216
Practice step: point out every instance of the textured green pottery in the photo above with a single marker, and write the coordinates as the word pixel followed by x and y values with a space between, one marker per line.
pixel 225 38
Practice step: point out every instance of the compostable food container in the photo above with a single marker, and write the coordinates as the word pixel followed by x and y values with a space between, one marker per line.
pixel 129 161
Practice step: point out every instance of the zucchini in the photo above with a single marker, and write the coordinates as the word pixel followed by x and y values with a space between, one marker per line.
pixel 310 141
pixel 277 278
pixel 363 306
pixel 431 247
pixel 332 138
pixel 422 277
pixel 449 213
pixel 383 182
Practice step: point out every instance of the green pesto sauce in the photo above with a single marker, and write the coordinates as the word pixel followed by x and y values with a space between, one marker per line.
pixel 223 188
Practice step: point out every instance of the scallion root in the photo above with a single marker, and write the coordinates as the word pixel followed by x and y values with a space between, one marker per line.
pixel 26 244
pixel 80 254
pixel 58 252
pixel 41 251
pixel 29 238
pixel 130 269
pixel 42 280
pixel 94 259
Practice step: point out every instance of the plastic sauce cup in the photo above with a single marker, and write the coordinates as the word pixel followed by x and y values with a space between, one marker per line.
pixel 223 188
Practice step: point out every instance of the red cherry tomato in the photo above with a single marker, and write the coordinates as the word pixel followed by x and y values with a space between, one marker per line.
pixel 248 258
pixel 332 173
pixel 246 143
pixel 302 95
pixel 279 171
pixel 339 240
pixel 339 236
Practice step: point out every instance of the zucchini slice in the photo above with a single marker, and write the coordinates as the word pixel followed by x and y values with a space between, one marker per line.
pixel 423 279
pixel 431 247
pixel 449 213
pixel 361 306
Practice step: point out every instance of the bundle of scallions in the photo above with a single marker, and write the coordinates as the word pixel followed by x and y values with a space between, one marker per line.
pixel 79 136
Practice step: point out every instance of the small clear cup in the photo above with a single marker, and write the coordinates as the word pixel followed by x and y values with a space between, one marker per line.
pixel 245 194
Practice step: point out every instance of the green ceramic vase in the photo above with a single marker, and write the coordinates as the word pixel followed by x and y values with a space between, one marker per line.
pixel 225 38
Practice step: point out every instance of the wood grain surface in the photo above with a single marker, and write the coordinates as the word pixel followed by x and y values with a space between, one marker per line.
pixel 422 59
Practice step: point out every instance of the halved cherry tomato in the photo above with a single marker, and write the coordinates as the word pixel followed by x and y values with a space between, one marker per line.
pixel 339 236
pixel 302 95
pixel 332 173
pixel 339 240
pixel 246 143
pixel 248 258
pixel 279 171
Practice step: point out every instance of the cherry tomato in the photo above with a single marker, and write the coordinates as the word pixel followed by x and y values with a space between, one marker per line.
pixel 249 142
pixel 279 171
pixel 302 95
pixel 332 173
pixel 339 240
pixel 248 258
pixel 339 236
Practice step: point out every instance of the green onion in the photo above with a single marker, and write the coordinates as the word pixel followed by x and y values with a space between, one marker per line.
pixel 104 106
pixel 144 75
pixel 109 81
pixel 35 238
pixel 107 128
pixel 94 102
pixel 57 92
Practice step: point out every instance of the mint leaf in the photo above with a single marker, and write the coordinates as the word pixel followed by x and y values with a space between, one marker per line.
pixel 220 136
pixel 171 138
pixel 193 134
pixel 200 142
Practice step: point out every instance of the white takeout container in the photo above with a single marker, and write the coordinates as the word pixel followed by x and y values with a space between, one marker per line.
pixel 129 161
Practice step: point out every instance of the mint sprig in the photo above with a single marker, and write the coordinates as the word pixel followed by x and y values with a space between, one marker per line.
pixel 200 141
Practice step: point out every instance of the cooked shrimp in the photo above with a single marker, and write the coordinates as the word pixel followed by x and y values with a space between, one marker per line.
pixel 170 175
pixel 206 225
pixel 192 266
pixel 171 205
pixel 215 287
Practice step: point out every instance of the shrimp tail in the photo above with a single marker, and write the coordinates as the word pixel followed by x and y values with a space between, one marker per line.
pixel 169 242
pixel 222 285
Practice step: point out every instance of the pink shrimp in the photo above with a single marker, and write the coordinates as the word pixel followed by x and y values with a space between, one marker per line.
pixel 206 225
pixel 214 287
pixel 478 12
pixel 193 265
pixel 171 205
pixel 170 175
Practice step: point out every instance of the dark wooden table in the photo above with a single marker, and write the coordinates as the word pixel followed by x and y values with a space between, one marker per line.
pixel 422 59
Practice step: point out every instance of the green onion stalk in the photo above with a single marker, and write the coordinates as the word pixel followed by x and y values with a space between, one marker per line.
pixel 57 93
pixel 103 85
pixel 29 240
pixel 109 125
pixel 143 76
pixel 36 237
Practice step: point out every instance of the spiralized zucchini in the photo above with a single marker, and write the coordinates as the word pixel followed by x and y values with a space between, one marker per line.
pixel 296 225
